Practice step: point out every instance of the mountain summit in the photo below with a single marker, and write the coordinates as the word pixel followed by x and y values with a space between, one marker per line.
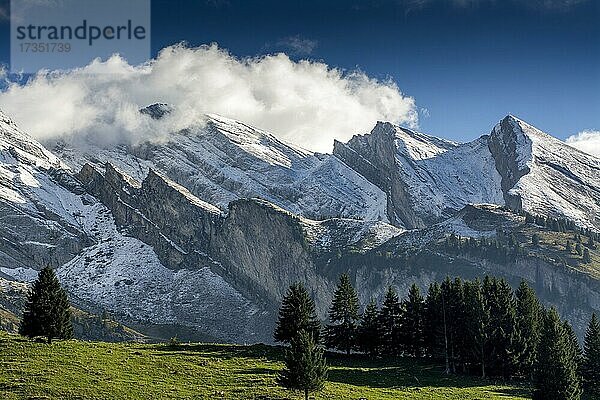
pixel 217 220
pixel 428 179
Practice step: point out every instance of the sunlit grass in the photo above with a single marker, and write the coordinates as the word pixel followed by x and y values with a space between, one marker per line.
pixel 85 370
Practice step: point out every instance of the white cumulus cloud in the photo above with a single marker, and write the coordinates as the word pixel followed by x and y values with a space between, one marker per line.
pixel 587 140
pixel 307 103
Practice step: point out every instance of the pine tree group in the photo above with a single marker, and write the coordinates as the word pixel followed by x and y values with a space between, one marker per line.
pixel 474 327
pixel 47 311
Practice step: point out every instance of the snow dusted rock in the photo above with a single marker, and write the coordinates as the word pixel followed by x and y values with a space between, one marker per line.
pixel 125 276
pixel 427 179
pixel 40 214
pixel 545 176
pixel 258 247
pixel 225 160
pixel 207 229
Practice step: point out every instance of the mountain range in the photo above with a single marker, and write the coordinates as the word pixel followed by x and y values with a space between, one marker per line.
pixel 200 233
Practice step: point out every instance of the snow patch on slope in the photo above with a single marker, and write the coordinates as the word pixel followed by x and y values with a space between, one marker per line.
pixel 561 182
pixel 124 275
pixel 226 160
pixel 444 176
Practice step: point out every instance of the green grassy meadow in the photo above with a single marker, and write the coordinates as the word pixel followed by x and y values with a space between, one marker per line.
pixel 94 370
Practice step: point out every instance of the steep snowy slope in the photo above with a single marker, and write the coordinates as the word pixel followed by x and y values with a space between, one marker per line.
pixel 39 204
pixel 543 175
pixel 225 160
pixel 427 178
pixel 47 217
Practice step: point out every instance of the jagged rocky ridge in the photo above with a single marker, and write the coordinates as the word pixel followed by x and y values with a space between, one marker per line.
pixel 428 179
pixel 205 231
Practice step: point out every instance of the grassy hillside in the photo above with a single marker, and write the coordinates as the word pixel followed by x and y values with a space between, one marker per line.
pixel 85 370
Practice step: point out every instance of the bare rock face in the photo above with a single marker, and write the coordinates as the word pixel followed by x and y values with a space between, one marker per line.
pixel 545 176
pixel 509 149
pixel 374 157
pixel 257 247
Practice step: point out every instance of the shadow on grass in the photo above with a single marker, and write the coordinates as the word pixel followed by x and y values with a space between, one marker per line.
pixel 258 371
pixel 223 351
pixel 355 369
pixel 392 372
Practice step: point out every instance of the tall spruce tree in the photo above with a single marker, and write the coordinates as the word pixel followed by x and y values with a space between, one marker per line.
pixel 344 317
pixel 390 320
pixel 454 318
pixel 297 313
pixel 412 325
pixel 529 314
pixel 434 322
pixel 47 311
pixel 556 370
pixel 477 318
pixel 368 331
pixel 502 329
pixel 305 367
pixel 591 359
pixel 574 346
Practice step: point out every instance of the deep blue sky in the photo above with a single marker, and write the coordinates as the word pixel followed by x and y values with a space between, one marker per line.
pixel 467 62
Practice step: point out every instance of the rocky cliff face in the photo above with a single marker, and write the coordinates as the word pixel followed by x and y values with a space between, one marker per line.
pixel 510 149
pixel 140 236
pixel 374 157
pixel 426 179
pixel 258 248
pixel 545 176
pixel 40 204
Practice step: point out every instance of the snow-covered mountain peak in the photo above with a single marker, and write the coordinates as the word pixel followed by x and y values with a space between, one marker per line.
pixel 157 110
pixel 17 145
pixel 257 142
pixel 544 175
pixel 412 144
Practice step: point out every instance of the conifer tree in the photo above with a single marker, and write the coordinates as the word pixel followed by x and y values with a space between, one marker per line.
pixel 297 312
pixel 453 307
pixel 476 321
pixel 305 367
pixel 412 322
pixel 556 371
pixel 434 322
pixel 502 329
pixel 586 256
pixel 368 331
pixel 569 247
pixel 344 317
pixel 529 314
pixel 591 359
pixel 574 346
pixel 47 311
pixel 390 319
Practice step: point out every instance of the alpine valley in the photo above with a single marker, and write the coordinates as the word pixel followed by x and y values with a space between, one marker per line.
pixel 200 234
